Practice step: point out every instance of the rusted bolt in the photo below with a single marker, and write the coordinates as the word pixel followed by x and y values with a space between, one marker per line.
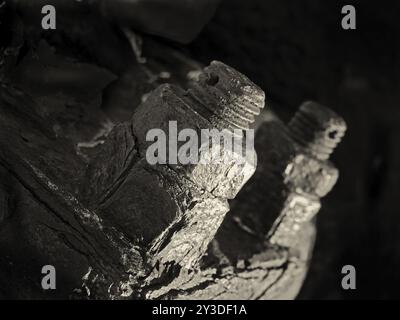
pixel 271 218
pixel 176 209
pixel 283 196
pixel 309 176
pixel 317 129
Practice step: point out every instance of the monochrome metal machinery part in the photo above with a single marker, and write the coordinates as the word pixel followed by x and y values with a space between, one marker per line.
pixel 77 192
pixel 263 248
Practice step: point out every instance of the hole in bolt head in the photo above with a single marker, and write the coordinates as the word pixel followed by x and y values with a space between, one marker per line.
pixel 332 135
pixel 212 79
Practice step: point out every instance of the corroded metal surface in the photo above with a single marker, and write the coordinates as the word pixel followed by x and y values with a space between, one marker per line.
pixel 77 191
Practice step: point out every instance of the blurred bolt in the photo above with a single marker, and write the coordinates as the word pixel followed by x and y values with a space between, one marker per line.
pixel 317 129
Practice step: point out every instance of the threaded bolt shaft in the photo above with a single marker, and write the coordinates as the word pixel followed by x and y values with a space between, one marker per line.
pixel 229 96
pixel 317 129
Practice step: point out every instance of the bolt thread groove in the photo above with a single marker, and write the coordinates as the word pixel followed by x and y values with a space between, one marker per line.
pixel 231 98
pixel 317 129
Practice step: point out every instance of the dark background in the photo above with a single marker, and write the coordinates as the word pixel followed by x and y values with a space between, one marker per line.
pixel 296 51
